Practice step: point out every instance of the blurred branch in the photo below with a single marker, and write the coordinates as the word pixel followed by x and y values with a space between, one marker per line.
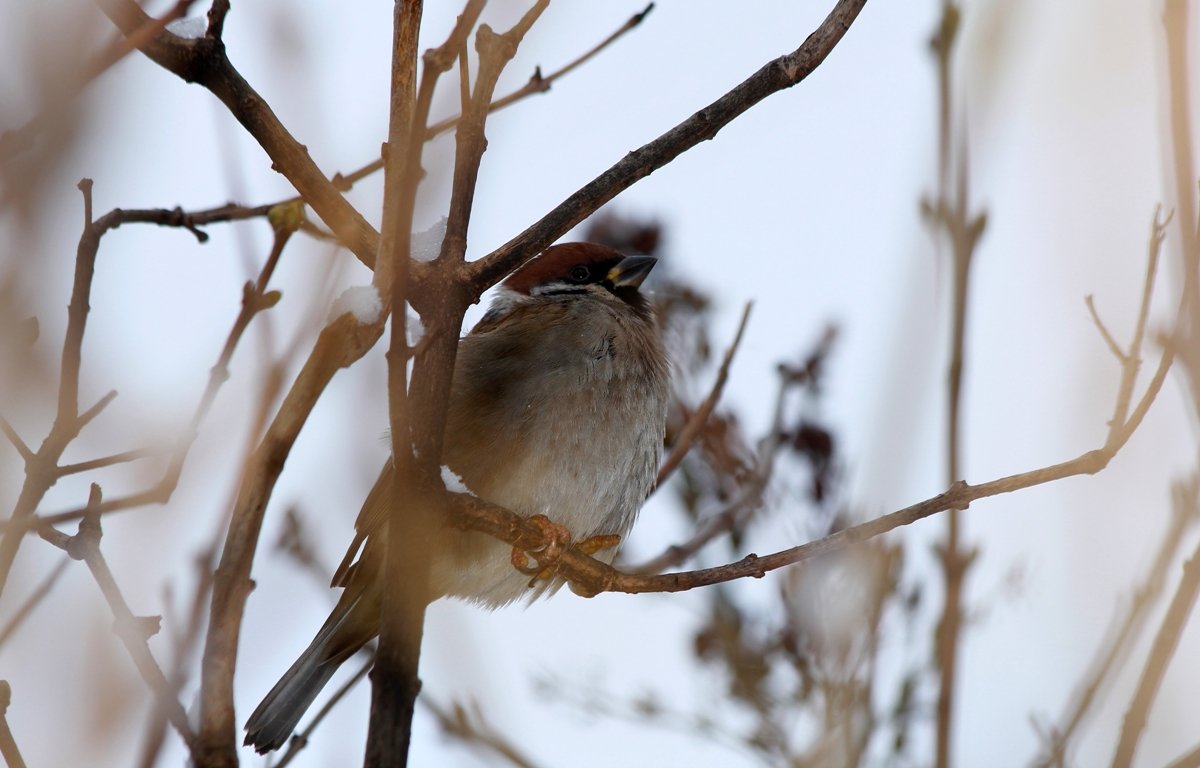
pixel 776 75
pixel 16 140
pixel 700 416
pixel 35 599
pixel 749 499
pixel 8 743
pixel 1189 760
pixel 133 631
pixel 949 214
pixel 1110 657
pixel 1165 643
pixel 471 727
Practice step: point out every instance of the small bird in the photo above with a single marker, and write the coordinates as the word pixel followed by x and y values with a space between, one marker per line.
pixel 557 411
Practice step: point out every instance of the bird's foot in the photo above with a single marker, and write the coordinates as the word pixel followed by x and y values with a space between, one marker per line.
pixel 554 537
pixel 540 563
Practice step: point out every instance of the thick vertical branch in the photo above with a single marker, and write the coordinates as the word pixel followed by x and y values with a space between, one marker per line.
pixel 394 678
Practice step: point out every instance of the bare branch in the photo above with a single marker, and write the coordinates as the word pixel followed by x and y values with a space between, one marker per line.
pixel 15 439
pixel 132 630
pixel 1113 346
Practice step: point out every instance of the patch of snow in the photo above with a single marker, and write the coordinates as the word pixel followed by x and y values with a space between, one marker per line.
pixel 428 244
pixel 414 329
pixel 189 27
pixel 362 301
pixel 453 482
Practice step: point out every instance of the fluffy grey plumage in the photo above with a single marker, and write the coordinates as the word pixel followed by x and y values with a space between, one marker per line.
pixel 558 408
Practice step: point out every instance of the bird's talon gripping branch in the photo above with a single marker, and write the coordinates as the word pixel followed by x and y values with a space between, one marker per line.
pixel 554 537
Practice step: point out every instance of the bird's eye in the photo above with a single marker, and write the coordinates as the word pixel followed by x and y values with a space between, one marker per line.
pixel 580 274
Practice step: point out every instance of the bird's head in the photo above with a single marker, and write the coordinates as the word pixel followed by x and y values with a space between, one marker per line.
pixel 573 271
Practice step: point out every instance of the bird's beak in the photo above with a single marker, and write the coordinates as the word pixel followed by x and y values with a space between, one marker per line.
pixel 631 271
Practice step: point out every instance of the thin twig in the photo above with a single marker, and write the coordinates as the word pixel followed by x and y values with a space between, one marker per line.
pixel 133 631
pixel 104 461
pixel 691 430
pixel 14 438
pixel 34 600
pixel 205 61
pixel 1113 346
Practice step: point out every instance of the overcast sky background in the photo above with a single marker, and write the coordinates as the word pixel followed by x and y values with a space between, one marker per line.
pixel 807 205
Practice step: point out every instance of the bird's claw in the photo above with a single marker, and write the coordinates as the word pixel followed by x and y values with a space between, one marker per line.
pixel 540 563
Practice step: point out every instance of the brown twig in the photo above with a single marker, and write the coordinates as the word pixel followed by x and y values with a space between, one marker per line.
pixel 691 430
pixel 1112 344
pixel 34 600
pixel 8 743
pixel 133 631
pixel 24 450
pixel 1191 759
pixel 1165 643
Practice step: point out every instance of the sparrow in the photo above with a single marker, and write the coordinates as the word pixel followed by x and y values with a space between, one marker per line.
pixel 557 412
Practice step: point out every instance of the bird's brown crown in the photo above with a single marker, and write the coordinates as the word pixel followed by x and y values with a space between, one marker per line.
pixel 566 263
